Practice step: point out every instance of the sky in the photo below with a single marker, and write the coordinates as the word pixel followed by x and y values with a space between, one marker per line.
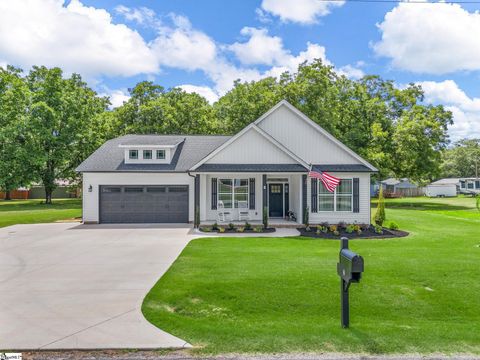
pixel 203 46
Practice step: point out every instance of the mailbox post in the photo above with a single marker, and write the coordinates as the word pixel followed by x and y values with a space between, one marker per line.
pixel 349 268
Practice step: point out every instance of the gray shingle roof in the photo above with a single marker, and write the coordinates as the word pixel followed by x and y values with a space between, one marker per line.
pixel 110 157
pixel 251 168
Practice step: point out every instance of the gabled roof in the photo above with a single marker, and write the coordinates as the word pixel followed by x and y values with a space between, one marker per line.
pixel 318 128
pixel 251 127
pixel 110 157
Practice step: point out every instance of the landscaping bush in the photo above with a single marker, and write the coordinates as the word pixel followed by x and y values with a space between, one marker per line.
pixel 240 229
pixel 342 225
pixel 205 229
pixel 378 229
pixel 221 230
pixel 392 225
pixel 478 202
pixel 380 213
pixel 333 228
pixel 258 229
pixel 215 227
pixel 231 226
pixel 350 228
pixel 248 226
pixel 336 233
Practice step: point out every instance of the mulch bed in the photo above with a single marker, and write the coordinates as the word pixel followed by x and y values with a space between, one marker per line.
pixel 234 231
pixel 366 234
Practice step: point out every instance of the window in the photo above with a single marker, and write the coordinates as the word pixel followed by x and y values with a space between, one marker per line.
pixel 326 199
pixel 231 192
pixel 477 184
pixel 147 154
pixel 339 200
pixel 344 195
pixel 470 185
pixel 134 189
pixel 161 154
pixel 133 154
pixel 225 193
pixel 462 184
pixel 111 190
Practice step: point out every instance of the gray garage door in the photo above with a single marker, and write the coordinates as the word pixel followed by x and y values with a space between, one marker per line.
pixel 144 204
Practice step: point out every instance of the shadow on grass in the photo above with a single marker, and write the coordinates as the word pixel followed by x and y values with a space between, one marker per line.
pixel 422 206
pixel 369 344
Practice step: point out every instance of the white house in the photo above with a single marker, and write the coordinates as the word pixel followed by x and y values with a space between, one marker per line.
pixel 183 178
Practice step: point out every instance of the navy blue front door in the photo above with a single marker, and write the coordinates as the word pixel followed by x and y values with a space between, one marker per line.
pixel 275 200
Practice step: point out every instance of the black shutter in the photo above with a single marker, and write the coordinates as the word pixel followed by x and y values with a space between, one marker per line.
pixel 252 193
pixel 356 197
pixel 314 194
pixel 214 193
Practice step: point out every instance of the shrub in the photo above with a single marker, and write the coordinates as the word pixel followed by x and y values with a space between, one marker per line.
pixel 258 229
pixel 392 225
pixel 240 229
pixel 318 232
pixel 265 217
pixel 342 225
pixel 378 229
pixel 478 202
pixel 359 232
pixel 231 226
pixel 333 228
pixel 248 226
pixel 221 230
pixel 205 229
pixel 322 229
pixel 308 228
pixel 364 227
pixel 325 224
pixel 336 233
pixel 380 213
pixel 350 228
pixel 356 227
pixel 215 227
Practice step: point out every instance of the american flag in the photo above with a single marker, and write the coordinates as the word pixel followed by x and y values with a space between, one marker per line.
pixel 330 182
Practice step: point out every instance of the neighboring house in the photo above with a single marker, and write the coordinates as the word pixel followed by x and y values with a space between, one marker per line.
pixel 463 185
pixel 393 185
pixel 183 178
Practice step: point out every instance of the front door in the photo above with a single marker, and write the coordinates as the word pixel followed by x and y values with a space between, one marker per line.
pixel 275 200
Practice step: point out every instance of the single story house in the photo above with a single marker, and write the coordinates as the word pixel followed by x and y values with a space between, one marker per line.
pixel 264 167
pixel 393 185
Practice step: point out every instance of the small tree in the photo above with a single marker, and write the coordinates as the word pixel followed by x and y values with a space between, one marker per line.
pixel 265 217
pixel 478 202
pixel 380 213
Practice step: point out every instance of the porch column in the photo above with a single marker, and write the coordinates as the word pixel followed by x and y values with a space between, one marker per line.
pixel 196 202
pixel 264 199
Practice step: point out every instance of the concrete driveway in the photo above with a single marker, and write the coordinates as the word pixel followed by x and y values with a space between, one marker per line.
pixel 72 286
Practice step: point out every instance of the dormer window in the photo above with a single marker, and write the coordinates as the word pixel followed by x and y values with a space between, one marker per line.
pixel 147 154
pixel 133 154
pixel 161 154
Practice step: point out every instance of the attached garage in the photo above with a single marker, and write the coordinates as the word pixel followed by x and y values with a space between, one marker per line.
pixel 144 204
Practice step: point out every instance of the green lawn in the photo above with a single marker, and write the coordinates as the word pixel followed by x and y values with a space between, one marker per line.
pixel 35 211
pixel 419 294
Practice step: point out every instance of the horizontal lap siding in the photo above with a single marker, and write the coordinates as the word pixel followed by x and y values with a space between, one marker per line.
pixel 349 217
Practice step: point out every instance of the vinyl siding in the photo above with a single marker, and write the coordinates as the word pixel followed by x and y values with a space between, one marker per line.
pixel 363 216
pixel 303 140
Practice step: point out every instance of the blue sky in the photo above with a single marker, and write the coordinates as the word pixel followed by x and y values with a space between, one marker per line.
pixel 203 46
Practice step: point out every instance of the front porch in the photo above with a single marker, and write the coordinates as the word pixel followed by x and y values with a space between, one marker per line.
pixel 242 197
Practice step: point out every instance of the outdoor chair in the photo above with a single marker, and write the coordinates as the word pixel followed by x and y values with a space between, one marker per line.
pixel 222 214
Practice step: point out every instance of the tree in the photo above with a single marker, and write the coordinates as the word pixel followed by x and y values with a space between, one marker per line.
pixel 15 159
pixel 462 159
pixel 62 120
pixel 380 213
pixel 151 110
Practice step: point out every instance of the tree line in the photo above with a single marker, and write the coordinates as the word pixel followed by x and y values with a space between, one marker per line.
pixel 49 122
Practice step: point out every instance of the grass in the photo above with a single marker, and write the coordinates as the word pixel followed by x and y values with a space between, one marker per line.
pixel 418 294
pixel 36 211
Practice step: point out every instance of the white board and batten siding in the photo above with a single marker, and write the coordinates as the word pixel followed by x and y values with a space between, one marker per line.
pixel 334 217
pixel 95 179
pixel 441 190
pixel 303 139
pixel 251 148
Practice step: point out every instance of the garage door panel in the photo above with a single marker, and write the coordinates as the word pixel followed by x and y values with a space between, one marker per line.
pixel 144 204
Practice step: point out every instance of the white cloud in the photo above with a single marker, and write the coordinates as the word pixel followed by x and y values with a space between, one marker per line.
pixel 183 47
pixel 352 72
pixel 431 38
pixel 300 11
pixel 117 96
pixel 76 37
pixel 204 91
pixel 141 15
pixel 465 110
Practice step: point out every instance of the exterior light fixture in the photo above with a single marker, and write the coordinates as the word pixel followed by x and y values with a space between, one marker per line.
pixel 90 188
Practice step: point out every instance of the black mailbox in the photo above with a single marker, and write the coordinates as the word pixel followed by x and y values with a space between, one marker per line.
pixel 350 269
pixel 350 266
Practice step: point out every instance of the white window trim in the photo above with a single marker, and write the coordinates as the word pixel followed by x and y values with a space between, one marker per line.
pixel 164 154
pixel 233 192
pixel 334 199
pixel 130 154
pixel 143 154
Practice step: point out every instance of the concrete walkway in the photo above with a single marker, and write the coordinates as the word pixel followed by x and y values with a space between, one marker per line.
pixel 73 286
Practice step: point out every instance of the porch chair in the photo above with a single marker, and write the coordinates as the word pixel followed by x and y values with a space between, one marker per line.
pixel 222 215
pixel 243 213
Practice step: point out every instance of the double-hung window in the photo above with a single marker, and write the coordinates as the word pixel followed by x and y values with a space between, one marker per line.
pixel 133 154
pixel 339 200
pixel 231 192
pixel 147 154
pixel 161 154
